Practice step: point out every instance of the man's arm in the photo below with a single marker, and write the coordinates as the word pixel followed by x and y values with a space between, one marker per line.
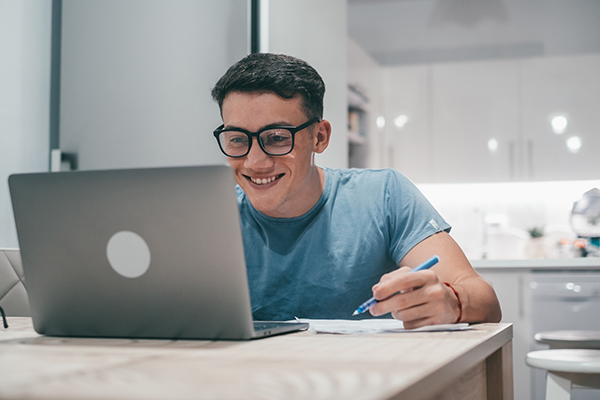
pixel 426 300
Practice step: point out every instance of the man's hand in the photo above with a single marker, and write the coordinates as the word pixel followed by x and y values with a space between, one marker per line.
pixel 424 299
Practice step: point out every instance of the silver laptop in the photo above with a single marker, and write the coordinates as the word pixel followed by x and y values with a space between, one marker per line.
pixel 138 253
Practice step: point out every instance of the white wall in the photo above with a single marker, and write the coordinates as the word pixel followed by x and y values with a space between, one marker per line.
pixel 315 31
pixel 506 210
pixel 25 28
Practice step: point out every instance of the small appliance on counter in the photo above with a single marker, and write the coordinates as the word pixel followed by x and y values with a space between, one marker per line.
pixel 585 222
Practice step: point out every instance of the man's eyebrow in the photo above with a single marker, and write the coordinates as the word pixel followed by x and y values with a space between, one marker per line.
pixel 273 124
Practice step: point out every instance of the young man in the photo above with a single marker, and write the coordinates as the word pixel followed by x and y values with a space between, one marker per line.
pixel 320 241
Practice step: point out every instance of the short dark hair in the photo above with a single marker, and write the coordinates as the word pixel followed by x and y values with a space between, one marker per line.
pixel 285 75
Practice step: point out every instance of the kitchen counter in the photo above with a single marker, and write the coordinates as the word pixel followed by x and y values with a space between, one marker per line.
pixel 587 263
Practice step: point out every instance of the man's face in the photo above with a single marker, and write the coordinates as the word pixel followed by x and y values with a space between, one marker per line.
pixel 278 186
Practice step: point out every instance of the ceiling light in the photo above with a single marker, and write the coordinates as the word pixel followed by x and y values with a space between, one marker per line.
pixel 400 121
pixel 380 122
pixel 492 145
pixel 559 124
pixel 574 144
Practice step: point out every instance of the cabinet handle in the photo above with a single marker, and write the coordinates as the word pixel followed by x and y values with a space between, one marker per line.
pixel 511 160
pixel 530 158
pixel 521 297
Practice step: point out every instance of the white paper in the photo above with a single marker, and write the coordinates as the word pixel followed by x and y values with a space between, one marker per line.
pixel 364 326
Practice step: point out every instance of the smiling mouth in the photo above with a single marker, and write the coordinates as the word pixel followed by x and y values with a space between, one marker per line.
pixel 264 181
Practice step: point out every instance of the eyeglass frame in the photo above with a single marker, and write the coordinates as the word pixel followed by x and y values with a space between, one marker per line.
pixel 292 129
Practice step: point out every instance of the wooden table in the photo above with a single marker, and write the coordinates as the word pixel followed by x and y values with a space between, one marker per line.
pixel 471 364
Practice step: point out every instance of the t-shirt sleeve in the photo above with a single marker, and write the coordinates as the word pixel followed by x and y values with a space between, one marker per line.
pixel 411 217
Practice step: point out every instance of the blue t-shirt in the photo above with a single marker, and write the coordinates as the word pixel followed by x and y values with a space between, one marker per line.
pixel 324 263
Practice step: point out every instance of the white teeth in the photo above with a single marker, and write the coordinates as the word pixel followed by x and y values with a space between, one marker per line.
pixel 263 181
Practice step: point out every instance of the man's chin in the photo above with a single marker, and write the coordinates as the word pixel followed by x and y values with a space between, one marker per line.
pixel 268 211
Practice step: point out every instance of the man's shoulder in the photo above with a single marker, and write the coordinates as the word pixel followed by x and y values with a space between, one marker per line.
pixel 364 175
pixel 358 172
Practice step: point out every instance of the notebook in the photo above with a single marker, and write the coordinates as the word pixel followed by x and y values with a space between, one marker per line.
pixel 136 253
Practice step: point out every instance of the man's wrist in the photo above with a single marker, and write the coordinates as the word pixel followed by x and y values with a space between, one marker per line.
pixel 459 303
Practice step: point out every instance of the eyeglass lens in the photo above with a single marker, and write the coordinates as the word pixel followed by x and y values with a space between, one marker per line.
pixel 274 142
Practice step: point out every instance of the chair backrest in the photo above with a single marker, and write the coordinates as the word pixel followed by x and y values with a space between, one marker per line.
pixel 13 295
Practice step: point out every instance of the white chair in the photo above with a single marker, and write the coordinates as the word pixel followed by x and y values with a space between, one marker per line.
pixel 579 339
pixel 567 368
pixel 13 296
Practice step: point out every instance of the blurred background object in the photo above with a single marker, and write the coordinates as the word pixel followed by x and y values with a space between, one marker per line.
pixel 585 221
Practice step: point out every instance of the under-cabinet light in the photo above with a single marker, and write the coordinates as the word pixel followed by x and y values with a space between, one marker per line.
pixel 574 144
pixel 559 124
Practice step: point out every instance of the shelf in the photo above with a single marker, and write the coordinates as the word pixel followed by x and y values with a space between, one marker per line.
pixel 355 138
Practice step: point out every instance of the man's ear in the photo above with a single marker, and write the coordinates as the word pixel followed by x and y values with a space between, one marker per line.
pixel 321 136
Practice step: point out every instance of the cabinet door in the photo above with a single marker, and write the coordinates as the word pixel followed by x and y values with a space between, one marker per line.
pixel 567 86
pixel 510 287
pixel 473 104
pixel 408 145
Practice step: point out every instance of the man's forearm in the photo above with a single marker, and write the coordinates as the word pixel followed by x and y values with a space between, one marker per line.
pixel 478 300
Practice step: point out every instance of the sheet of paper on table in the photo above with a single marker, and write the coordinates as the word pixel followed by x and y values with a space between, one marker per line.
pixel 342 326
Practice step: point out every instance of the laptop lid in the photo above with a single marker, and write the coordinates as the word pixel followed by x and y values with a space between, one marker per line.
pixel 138 253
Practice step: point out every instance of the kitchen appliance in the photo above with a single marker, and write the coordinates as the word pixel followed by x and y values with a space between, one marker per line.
pixel 585 221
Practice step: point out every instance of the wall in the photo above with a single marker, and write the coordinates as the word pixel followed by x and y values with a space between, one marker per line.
pixel 494 217
pixel 25 27
pixel 315 31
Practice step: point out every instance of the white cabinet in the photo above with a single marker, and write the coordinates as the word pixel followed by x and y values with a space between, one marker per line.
pixel 475 122
pixel 490 121
pixel 534 296
pixel 408 148
pixel 511 289
pixel 568 86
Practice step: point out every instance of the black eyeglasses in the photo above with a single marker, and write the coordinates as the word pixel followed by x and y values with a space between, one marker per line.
pixel 273 140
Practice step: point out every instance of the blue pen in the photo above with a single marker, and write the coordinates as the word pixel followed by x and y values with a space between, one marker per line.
pixel 367 304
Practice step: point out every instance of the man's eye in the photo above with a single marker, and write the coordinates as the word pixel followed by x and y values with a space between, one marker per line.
pixel 237 140
pixel 277 138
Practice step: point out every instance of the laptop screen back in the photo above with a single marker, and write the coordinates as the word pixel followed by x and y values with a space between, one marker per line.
pixel 146 253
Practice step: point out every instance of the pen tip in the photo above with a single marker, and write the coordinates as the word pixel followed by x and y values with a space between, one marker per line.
pixel 355 313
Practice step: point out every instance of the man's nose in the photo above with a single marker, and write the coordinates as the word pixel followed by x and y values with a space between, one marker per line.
pixel 256 157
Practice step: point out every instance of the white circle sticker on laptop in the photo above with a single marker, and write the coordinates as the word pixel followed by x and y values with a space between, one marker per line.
pixel 128 254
